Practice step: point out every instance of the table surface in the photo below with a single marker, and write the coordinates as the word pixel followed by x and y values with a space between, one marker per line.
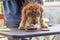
pixel 55 29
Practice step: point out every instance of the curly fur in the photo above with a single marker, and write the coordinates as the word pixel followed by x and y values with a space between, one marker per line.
pixel 31 12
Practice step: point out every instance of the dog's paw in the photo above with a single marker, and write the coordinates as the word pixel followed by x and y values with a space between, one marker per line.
pixel 44 25
pixel 21 28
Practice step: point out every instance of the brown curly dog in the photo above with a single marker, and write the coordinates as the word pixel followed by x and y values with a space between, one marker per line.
pixel 32 13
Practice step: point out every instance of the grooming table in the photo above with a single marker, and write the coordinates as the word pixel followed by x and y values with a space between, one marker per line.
pixel 16 33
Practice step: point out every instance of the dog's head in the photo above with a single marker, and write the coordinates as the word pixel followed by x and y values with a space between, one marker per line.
pixel 32 11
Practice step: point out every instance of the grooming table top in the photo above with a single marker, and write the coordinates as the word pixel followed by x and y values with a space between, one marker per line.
pixel 54 29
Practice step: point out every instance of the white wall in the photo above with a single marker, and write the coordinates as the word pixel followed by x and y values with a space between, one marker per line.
pixel 52 11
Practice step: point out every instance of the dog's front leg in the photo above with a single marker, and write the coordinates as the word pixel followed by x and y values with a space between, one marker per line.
pixel 22 24
pixel 43 24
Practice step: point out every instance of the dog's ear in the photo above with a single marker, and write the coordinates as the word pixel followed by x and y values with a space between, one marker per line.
pixel 41 10
pixel 23 11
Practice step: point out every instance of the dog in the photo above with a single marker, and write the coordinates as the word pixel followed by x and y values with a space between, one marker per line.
pixel 32 13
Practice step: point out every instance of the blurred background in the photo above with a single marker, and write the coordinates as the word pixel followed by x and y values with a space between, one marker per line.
pixel 52 11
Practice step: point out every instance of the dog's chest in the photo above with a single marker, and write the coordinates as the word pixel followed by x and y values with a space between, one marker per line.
pixel 35 26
